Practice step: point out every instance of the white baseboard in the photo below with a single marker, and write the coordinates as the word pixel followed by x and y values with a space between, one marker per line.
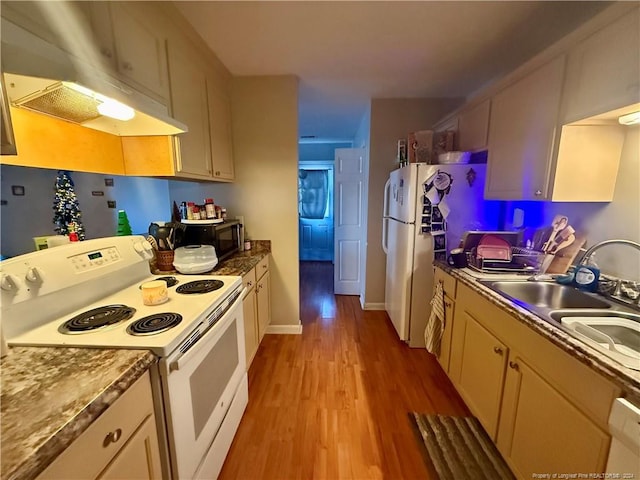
pixel 284 329
pixel 373 306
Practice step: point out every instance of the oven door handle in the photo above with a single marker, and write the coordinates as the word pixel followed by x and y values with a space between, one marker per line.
pixel 204 339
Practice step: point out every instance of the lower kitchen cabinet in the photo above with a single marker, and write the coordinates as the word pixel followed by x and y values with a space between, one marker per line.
pixel 545 410
pixel 449 286
pixel 121 443
pixel 263 293
pixel 250 315
pixel 256 307
pixel 542 431
pixel 482 370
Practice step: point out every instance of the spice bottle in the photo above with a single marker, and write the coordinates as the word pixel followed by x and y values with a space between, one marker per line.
pixel 195 212
pixel 210 208
pixel 203 212
pixel 190 206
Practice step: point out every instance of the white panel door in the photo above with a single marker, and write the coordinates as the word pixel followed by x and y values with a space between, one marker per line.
pixel 349 231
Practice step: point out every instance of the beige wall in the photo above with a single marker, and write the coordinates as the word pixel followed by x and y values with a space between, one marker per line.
pixel 391 119
pixel 265 142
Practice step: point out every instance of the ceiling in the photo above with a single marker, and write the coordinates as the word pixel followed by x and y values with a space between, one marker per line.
pixel 346 53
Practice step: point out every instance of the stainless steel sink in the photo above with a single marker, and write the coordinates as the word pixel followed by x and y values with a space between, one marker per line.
pixel 614 333
pixel 545 294
pixel 603 324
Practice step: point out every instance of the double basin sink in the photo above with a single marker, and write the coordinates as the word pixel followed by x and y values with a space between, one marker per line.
pixel 603 324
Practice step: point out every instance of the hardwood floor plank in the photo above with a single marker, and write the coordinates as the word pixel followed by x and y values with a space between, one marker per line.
pixel 332 403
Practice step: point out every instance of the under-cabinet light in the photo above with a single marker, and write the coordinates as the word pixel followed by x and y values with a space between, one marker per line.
pixel 113 109
pixel 630 118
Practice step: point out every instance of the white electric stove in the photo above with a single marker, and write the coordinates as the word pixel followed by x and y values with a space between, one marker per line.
pixel 87 294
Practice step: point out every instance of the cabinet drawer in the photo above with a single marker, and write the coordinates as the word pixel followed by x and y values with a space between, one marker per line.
pixel 249 280
pixel 94 449
pixel 448 282
pixel 262 267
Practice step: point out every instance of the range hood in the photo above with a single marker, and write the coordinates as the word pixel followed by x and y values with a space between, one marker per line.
pixel 88 104
pixel 43 78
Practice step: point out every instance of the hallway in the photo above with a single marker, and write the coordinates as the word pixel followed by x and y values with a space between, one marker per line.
pixel 333 402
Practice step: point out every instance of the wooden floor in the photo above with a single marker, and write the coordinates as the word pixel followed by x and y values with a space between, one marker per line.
pixel 332 403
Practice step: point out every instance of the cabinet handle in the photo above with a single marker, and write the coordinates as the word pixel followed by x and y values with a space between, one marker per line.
pixel 538 193
pixel 514 365
pixel 249 283
pixel 127 66
pixel 106 52
pixel 112 437
pixel 217 173
pixel 498 350
pixel 448 304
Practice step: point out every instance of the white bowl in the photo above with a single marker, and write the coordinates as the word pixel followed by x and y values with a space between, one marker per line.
pixel 454 157
pixel 195 259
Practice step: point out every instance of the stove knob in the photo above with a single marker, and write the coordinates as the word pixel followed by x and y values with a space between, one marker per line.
pixel 35 275
pixel 10 283
pixel 144 248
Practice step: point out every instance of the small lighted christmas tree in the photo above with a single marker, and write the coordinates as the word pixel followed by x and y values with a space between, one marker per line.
pixel 124 228
pixel 66 207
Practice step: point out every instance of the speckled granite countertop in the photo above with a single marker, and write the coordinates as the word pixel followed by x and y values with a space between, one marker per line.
pixel 51 395
pixel 238 264
pixel 626 378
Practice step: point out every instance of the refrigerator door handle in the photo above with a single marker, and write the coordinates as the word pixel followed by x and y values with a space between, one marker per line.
pixel 385 235
pixel 385 205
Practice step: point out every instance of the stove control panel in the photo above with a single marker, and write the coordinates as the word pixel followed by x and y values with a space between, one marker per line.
pixel 95 259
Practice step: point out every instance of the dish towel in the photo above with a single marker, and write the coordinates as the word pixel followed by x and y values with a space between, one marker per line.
pixel 435 325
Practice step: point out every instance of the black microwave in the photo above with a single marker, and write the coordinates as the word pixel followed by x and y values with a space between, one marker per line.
pixel 225 237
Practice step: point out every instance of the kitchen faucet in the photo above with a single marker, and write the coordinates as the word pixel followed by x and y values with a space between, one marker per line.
pixel 589 252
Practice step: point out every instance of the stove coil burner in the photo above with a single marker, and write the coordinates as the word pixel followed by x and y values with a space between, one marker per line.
pixel 153 324
pixel 171 281
pixel 200 286
pixel 97 318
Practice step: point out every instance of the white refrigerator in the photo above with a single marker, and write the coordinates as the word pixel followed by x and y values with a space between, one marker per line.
pixel 413 232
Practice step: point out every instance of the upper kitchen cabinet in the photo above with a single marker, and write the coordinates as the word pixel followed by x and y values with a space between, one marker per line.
pixel 522 132
pixel 473 127
pixel 221 136
pixel 139 47
pixel 190 106
pixel 123 39
pixel 603 71
pixel 199 99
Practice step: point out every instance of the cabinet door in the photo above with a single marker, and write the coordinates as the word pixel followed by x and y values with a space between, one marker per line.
pixel 263 293
pixel 221 142
pixel 521 135
pixel 140 49
pixel 189 105
pixel 250 314
pixel 602 71
pixel 139 458
pixel 473 127
pixel 445 344
pixel 99 48
pixel 541 431
pixel 482 372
